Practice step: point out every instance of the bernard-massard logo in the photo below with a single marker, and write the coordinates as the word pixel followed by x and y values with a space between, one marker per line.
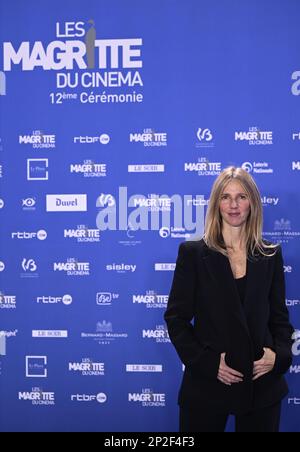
pixel 105 334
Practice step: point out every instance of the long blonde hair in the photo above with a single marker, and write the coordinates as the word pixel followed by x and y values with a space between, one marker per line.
pixel 253 227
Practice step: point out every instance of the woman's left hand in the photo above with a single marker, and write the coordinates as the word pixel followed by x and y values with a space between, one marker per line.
pixel 265 364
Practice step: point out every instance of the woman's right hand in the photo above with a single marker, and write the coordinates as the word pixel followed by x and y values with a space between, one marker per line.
pixel 226 375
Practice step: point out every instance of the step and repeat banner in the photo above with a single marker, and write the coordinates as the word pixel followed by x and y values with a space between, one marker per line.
pixel 116 116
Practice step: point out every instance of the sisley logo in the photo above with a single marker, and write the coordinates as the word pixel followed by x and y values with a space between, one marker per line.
pixel 66 203
pixel 121 268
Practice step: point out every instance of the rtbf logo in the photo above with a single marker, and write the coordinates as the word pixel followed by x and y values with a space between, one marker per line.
pixel 40 235
pixel 48 299
pixel 86 398
pixel 103 139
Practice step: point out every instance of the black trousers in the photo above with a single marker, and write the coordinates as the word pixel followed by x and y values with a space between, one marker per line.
pixel 205 420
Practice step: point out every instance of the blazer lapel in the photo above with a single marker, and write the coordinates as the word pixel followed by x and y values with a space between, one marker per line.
pixel 219 268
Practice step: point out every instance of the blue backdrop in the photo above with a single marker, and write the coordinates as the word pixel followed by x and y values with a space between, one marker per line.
pixel 116 118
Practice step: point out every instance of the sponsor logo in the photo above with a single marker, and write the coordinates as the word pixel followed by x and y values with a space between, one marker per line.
pixel 102 139
pixel 203 167
pixel 294 400
pixel 36 367
pixel 8 301
pixel 67 300
pixel 40 235
pixel 104 334
pixel 29 268
pixel 268 201
pixel 87 367
pixel 154 168
pixel 151 300
pixel 121 268
pixel 38 139
pixel 1 203
pixel 83 234
pixel 2 266
pixel 37 397
pixel 257 167
pixel 87 398
pixel 106 298
pixel 72 267
pixel 164 267
pixel 50 334
pixel 148 398
pixel 28 203
pixel 4 335
pixel 254 136
pixel 291 303
pixel 144 368
pixel 37 169
pixel 205 138
pixel 296 165
pixel 66 203
pixel 89 169
pixel 294 369
pixel 149 138
pixel 160 334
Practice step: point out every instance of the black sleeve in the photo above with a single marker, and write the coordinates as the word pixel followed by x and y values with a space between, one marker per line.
pixel 279 323
pixel 180 312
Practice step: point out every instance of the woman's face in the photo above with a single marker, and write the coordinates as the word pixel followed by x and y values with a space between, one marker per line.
pixel 234 204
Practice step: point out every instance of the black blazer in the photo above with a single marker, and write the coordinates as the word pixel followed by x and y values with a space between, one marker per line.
pixel 204 291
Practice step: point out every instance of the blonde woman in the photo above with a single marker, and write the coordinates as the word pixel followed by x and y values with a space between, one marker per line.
pixel 227 316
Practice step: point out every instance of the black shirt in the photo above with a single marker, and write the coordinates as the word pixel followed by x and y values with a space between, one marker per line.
pixel 241 287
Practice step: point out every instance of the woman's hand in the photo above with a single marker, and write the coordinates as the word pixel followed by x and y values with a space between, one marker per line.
pixel 227 375
pixel 265 364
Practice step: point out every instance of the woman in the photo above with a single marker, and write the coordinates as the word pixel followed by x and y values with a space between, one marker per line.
pixel 231 284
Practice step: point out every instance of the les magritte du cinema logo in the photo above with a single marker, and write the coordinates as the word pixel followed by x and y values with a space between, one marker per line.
pixel 84 60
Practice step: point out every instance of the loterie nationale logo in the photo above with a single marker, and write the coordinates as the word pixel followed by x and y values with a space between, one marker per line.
pixel 87 68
